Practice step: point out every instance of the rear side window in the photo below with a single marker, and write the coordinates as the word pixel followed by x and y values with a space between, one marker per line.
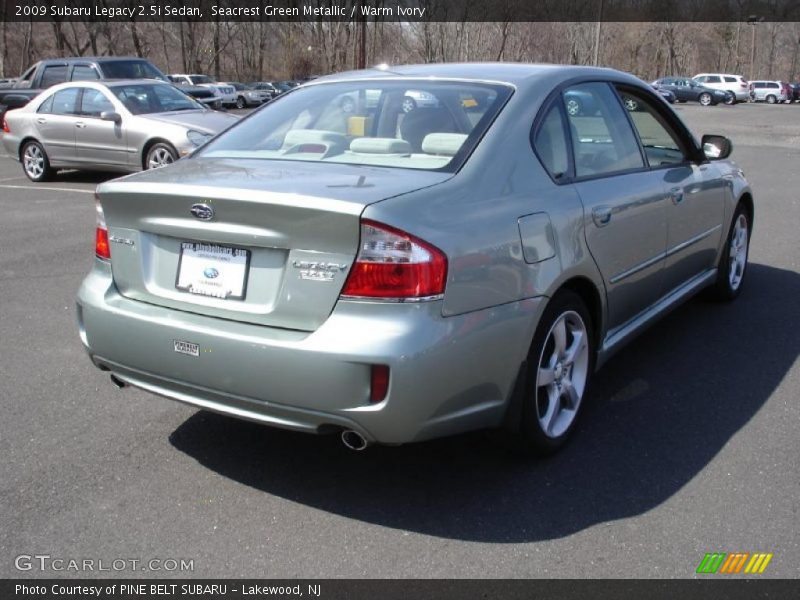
pixel 550 143
pixel 713 79
pixel 46 106
pixel 602 139
pixel 773 86
pixel 662 144
pixel 730 79
pixel 64 102
pixel 54 74
pixel 84 73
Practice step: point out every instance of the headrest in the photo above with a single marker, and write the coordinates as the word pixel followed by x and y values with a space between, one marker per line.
pixel 295 137
pixel 368 145
pixel 446 144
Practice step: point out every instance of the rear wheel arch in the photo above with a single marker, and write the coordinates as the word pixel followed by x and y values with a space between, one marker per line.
pixel 746 200
pixel 591 297
pixel 24 141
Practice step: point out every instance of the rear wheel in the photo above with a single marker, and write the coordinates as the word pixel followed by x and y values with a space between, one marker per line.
pixel 771 99
pixel 240 102
pixel 561 362
pixel 160 155
pixel 733 264
pixel 705 99
pixel 35 162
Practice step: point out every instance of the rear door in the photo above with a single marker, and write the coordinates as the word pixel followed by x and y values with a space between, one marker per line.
pixel 55 124
pixel 99 142
pixel 625 206
pixel 695 191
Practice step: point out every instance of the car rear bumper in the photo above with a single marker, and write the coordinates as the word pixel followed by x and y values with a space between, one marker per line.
pixel 447 374
pixel 11 145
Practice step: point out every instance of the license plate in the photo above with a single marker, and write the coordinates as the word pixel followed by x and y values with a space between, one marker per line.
pixel 212 270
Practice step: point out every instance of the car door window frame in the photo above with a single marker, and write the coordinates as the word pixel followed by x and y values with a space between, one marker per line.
pixel 80 111
pixel 689 149
pixel 75 105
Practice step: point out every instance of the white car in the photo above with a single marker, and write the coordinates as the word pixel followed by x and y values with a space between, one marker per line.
pixel 736 84
pixel 227 93
pixel 770 92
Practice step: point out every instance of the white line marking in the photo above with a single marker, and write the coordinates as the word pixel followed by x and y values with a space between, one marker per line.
pixel 50 189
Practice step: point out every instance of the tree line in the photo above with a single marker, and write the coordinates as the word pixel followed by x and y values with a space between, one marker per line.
pixel 254 51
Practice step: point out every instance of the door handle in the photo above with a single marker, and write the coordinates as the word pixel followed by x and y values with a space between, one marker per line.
pixel 601 215
pixel 80 124
pixel 41 120
pixel 676 195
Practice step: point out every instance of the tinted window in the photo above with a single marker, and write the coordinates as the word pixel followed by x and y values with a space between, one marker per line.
pixel 54 74
pixel 730 79
pixel 84 73
pixel 662 144
pixel 713 79
pixel 602 139
pixel 94 102
pixel 131 69
pixel 551 144
pixel 146 98
pixel 64 101
pixel 46 106
pixel 773 85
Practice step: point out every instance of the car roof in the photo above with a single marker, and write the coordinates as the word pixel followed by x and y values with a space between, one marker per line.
pixel 497 72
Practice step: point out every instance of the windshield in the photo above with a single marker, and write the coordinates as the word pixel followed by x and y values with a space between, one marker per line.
pixel 131 69
pixel 422 124
pixel 198 79
pixel 240 86
pixel 144 98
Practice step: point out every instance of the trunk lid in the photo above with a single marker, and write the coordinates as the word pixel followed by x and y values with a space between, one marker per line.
pixel 298 224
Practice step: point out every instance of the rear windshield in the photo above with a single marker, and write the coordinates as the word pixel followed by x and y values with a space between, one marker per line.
pixel 412 124
pixel 131 69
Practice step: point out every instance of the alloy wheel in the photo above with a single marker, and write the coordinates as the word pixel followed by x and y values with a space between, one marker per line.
pixel 33 161
pixel 562 374
pixel 738 252
pixel 160 157
pixel 705 99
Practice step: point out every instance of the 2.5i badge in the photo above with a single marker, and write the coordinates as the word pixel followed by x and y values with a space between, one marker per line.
pixel 186 348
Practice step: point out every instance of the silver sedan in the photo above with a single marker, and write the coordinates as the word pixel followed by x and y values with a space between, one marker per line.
pixel 116 126
pixel 395 276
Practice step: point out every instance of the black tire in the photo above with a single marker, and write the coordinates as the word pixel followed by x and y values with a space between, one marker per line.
pixel 158 155
pixel 771 99
pixel 705 99
pixel 730 100
pixel 35 162
pixel 727 287
pixel 530 435
pixel 241 102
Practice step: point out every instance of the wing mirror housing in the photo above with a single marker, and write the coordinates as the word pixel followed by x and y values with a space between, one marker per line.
pixel 114 117
pixel 716 147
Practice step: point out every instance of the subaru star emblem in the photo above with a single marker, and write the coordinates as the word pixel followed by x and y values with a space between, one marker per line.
pixel 202 211
pixel 210 272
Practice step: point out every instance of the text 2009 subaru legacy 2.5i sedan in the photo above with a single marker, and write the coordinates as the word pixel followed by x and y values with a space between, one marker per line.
pixel 396 276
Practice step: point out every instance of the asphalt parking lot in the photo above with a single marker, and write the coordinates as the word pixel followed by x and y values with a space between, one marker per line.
pixel 689 445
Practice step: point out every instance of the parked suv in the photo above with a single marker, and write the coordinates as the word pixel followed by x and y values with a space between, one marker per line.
pixel 227 93
pixel 767 91
pixel 736 84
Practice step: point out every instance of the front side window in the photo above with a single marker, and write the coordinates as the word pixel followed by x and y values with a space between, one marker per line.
pixel 602 139
pixel 413 124
pixel 662 144
pixel 550 143
pixel 64 102
pixel 94 102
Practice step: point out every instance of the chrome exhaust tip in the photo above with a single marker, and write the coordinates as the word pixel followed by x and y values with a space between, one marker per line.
pixel 118 382
pixel 354 440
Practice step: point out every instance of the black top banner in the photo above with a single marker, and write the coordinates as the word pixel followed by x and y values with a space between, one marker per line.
pixel 402 10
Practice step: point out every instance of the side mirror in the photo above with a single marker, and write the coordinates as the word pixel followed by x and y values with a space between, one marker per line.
pixel 107 115
pixel 716 147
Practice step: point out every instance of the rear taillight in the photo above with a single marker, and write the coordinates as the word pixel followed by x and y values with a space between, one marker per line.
pixel 101 248
pixel 392 264
pixel 5 126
